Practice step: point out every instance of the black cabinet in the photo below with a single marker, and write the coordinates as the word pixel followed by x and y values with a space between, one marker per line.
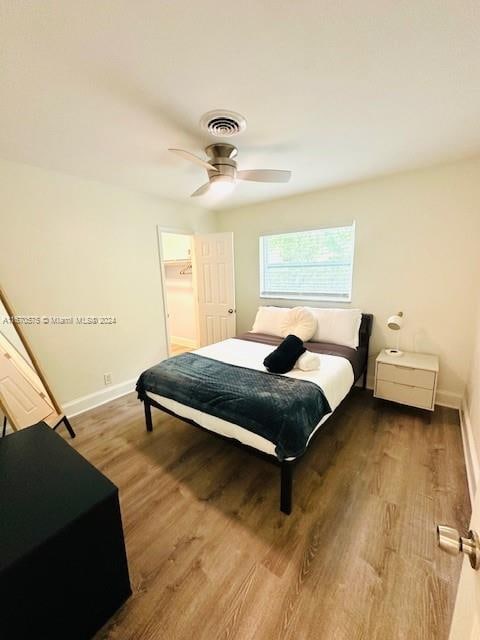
pixel 63 567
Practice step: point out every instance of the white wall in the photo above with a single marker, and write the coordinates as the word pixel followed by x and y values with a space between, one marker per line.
pixel 473 390
pixel 73 246
pixel 472 405
pixel 416 250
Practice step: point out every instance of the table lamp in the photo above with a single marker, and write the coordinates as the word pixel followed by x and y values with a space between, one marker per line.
pixel 395 323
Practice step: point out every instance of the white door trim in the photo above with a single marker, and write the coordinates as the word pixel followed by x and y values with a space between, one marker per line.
pixel 469 451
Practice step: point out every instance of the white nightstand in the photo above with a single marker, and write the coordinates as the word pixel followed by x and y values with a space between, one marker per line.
pixel 408 379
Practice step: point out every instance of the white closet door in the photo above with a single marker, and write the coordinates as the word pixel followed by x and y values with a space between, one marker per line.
pixel 214 268
pixel 466 618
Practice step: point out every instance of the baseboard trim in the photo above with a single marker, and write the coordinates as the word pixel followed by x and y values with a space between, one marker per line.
pixel 184 342
pixel 96 399
pixel 470 452
pixel 448 399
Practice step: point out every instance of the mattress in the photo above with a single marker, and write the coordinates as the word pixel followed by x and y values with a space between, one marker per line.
pixel 335 377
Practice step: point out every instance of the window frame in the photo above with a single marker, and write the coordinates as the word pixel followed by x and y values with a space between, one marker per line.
pixel 306 297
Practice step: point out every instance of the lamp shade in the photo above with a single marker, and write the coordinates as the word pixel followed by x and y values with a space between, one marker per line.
pixel 395 322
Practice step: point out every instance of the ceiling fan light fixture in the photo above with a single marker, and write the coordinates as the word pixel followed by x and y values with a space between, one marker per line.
pixel 221 185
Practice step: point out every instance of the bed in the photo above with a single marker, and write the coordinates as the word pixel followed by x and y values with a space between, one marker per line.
pixel 224 389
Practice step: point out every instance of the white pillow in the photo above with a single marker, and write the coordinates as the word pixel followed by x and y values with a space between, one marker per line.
pixel 300 322
pixel 269 319
pixel 308 361
pixel 337 326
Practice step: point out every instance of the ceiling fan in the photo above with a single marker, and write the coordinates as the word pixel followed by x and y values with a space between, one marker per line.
pixel 222 169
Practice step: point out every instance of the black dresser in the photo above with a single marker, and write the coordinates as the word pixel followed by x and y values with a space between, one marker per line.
pixel 63 567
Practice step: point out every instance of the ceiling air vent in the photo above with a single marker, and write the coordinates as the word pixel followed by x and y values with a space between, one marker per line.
pixel 223 124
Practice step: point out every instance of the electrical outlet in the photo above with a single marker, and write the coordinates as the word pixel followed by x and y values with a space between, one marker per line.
pixel 107 378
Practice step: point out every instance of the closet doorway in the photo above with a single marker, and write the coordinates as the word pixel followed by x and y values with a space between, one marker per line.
pixel 198 288
pixel 179 289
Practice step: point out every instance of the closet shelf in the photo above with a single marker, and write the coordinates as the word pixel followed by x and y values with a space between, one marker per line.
pixel 174 263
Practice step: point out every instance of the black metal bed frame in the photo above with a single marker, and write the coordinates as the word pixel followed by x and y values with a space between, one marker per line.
pixel 286 466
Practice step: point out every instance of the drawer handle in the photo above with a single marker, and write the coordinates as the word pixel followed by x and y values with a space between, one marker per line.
pixel 402 384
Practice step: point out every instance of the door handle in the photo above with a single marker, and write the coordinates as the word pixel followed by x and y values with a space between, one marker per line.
pixel 230 311
pixel 452 543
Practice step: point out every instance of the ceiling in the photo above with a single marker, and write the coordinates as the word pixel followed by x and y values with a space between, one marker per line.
pixel 334 90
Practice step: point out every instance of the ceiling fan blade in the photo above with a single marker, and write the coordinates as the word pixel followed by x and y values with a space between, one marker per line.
pixel 201 190
pixel 190 156
pixel 264 175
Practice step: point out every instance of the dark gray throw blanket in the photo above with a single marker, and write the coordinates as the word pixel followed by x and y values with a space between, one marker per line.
pixel 282 410
pixel 283 358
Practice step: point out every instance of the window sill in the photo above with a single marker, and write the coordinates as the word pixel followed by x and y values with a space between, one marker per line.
pixel 265 296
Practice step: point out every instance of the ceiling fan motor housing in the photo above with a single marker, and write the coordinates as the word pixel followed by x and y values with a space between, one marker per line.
pixel 221 156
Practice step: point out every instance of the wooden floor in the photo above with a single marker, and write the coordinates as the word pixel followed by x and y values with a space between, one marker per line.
pixel 176 349
pixel 211 556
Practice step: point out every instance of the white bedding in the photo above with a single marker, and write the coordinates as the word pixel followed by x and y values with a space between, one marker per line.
pixel 334 377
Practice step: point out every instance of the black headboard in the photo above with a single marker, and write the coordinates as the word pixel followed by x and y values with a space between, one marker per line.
pixel 365 330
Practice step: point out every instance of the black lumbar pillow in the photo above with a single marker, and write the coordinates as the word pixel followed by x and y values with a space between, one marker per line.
pixel 285 355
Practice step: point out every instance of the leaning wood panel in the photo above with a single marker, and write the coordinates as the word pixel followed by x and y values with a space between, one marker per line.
pixel 28 349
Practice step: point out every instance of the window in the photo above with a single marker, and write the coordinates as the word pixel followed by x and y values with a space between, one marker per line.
pixel 308 265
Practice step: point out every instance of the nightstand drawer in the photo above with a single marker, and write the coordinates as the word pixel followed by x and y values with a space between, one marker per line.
pixel 413 396
pixel 406 375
